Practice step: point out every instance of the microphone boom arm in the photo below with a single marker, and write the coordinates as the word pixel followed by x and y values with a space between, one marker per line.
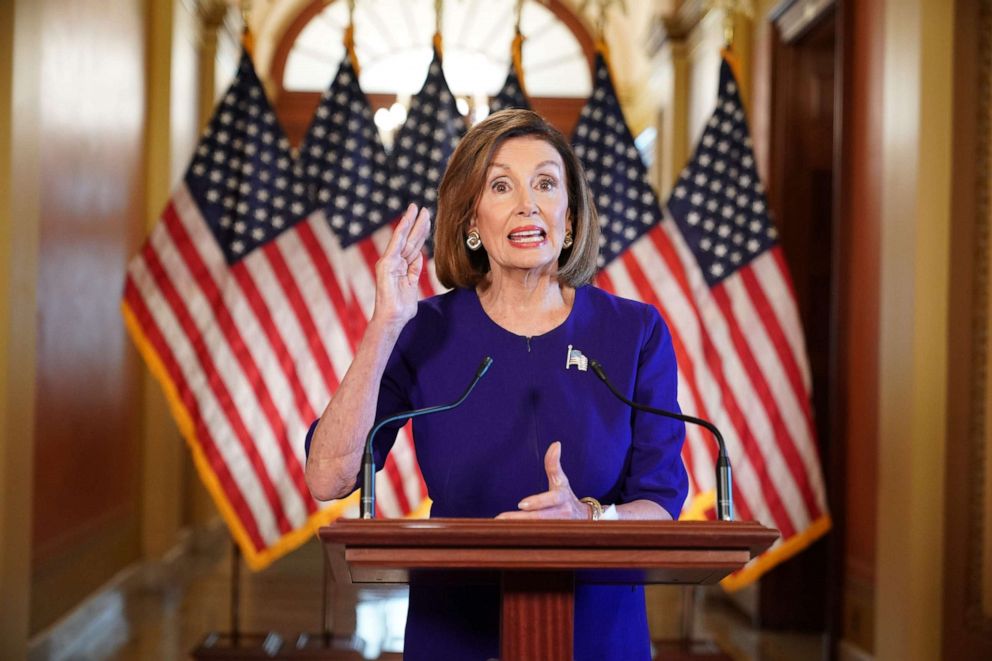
pixel 367 508
pixel 724 480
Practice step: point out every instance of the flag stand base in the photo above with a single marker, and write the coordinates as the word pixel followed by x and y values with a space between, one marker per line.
pixel 689 650
pixel 239 646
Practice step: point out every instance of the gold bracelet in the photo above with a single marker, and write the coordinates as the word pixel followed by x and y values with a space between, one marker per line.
pixel 594 505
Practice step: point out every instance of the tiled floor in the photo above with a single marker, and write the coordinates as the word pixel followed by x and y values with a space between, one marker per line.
pixel 167 618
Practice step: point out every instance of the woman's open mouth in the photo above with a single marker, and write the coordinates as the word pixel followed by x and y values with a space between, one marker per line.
pixel 527 237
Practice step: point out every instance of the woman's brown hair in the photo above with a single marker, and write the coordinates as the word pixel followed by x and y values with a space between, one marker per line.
pixel 464 180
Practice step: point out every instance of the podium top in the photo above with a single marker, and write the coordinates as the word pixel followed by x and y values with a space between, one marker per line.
pixel 552 534
pixel 635 552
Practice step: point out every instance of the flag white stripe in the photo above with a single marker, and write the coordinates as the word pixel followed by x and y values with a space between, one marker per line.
pixel 361 280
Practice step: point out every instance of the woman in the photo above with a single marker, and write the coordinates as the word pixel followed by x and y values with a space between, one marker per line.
pixel 517 239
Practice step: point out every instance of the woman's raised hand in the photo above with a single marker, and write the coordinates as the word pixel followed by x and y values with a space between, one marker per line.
pixel 397 273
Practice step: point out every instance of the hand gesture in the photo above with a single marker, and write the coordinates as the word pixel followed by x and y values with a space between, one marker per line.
pixel 397 273
pixel 558 502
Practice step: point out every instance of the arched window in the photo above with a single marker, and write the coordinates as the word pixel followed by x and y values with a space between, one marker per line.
pixel 393 44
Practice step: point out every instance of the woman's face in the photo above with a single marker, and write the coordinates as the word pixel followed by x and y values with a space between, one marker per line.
pixel 522 212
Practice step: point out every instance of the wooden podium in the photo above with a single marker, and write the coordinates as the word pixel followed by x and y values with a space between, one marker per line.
pixel 538 563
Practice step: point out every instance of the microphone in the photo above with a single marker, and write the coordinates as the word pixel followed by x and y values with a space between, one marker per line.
pixel 368 461
pixel 724 483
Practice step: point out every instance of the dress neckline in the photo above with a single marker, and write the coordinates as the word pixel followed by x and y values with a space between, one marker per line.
pixel 476 303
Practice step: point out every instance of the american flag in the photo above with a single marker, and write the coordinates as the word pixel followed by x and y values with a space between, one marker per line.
pixel 421 149
pixel 714 270
pixel 426 139
pixel 233 306
pixel 346 167
pixel 511 95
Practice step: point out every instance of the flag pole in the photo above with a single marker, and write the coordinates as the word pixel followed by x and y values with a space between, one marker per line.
pixel 247 39
pixel 438 13
pixel 517 49
pixel 235 593
pixel 349 39
pixel 604 7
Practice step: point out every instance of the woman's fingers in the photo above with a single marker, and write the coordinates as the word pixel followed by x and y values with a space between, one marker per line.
pixel 399 238
pixel 418 235
pixel 544 500
pixel 552 466
pixel 539 514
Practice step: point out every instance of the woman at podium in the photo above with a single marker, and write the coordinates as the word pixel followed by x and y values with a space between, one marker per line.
pixel 540 437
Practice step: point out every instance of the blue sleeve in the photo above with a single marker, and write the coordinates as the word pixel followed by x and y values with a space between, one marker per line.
pixel 393 399
pixel 656 471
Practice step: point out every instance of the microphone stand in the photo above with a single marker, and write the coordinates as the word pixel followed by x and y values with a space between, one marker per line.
pixel 724 482
pixel 368 460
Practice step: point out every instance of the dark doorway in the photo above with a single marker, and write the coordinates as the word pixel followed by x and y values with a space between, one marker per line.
pixel 797 593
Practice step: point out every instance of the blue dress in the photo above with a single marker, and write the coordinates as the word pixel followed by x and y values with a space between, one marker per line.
pixel 482 458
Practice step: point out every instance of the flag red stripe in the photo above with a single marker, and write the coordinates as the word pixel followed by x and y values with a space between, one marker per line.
pixel 206 442
pixel 426 289
pixel 369 253
pixel 173 225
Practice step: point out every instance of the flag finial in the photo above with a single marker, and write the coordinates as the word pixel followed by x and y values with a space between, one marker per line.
pixel 517 48
pixel 438 13
pixel 247 39
pixel 731 9
pixel 349 38
pixel 604 7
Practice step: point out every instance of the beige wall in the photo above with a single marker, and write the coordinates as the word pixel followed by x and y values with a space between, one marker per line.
pixel 916 221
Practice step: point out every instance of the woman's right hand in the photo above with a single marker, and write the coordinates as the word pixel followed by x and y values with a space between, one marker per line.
pixel 397 273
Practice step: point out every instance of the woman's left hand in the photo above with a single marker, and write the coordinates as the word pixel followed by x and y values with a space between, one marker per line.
pixel 558 502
